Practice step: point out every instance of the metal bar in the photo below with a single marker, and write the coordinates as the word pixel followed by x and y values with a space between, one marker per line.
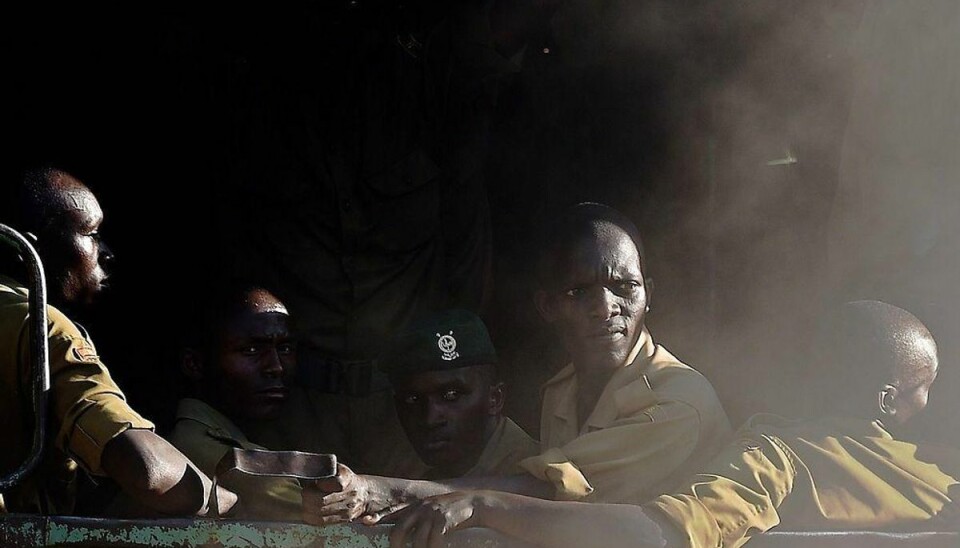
pixel 21 530
pixel 39 355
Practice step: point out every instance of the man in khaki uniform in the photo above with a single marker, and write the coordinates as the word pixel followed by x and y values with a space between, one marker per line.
pixel 238 361
pixel 625 417
pixel 852 471
pixel 443 371
pixel 90 421
pixel 620 424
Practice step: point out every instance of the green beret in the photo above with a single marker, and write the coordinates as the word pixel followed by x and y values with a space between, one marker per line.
pixel 445 340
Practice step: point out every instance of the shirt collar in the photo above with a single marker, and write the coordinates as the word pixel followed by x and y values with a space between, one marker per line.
pixel 642 351
pixel 634 368
pixel 200 411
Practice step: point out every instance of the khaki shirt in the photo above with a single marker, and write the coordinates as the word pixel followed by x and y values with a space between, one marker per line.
pixel 503 452
pixel 655 421
pixel 86 411
pixel 832 474
pixel 205 435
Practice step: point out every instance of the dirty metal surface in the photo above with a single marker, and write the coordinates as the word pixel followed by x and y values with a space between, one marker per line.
pixel 17 530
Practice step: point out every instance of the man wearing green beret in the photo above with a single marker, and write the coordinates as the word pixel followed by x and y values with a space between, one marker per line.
pixel 449 399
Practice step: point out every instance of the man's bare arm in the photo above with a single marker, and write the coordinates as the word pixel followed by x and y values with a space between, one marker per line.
pixel 535 521
pixel 157 475
pixel 349 496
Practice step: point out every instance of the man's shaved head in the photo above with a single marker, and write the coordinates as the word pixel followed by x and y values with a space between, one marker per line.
pixel 587 220
pixel 42 197
pixel 62 218
pixel 870 345
pixel 903 348
pixel 592 288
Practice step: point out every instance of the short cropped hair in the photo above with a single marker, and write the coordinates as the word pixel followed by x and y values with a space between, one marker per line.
pixel 34 202
pixel 574 223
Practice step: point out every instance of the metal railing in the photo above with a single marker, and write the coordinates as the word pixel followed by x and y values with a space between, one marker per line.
pixel 39 352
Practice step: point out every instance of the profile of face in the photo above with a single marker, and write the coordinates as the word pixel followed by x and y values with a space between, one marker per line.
pixel 244 373
pixel 599 300
pixel 447 414
pixel 71 247
pixel 908 395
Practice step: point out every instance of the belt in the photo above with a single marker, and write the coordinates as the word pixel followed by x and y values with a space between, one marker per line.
pixel 356 378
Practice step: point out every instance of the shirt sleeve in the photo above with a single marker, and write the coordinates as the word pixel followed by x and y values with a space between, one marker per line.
pixel 625 462
pixel 88 408
pixel 736 498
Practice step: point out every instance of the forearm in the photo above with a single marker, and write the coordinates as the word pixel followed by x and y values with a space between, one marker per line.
pixel 561 524
pixel 401 491
pixel 158 476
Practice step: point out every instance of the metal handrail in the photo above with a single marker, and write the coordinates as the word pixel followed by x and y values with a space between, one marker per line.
pixel 39 355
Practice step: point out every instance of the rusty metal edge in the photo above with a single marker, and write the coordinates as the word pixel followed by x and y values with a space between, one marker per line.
pixel 21 530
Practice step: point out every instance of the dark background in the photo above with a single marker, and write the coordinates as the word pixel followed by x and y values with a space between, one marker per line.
pixel 668 111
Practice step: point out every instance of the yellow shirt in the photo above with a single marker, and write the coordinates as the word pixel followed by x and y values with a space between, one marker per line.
pixel 205 435
pixel 87 409
pixel 656 419
pixel 828 475
pixel 501 456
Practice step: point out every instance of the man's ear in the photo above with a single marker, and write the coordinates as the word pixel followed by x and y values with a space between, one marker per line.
pixel 545 304
pixel 495 399
pixel 191 364
pixel 887 397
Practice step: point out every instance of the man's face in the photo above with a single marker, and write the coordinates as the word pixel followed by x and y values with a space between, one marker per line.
pixel 253 357
pixel 445 413
pixel 72 247
pixel 600 299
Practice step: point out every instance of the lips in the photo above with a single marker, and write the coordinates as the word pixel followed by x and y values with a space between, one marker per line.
pixel 436 445
pixel 612 332
pixel 274 393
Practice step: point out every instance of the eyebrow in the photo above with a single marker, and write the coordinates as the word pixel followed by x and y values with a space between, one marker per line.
pixel 260 338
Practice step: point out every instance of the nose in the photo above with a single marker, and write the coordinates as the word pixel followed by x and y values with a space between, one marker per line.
pixel 273 365
pixel 106 254
pixel 436 416
pixel 604 304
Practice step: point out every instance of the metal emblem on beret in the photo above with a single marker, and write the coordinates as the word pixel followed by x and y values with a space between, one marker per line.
pixel 448 347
